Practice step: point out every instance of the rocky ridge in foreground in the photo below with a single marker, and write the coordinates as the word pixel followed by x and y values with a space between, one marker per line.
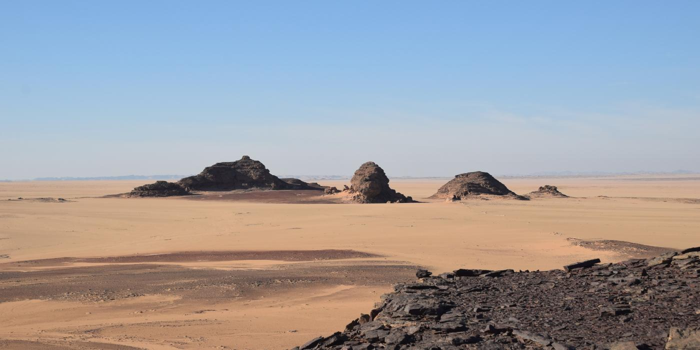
pixel 636 304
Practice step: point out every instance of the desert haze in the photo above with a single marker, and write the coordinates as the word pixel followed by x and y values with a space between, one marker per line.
pixel 98 271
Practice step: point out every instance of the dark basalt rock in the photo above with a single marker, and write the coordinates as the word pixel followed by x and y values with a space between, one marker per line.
pixel 470 272
pixel 582 264
pixel 547 191
pixel 690 250
pixel 623 306
pixel 159 189
pixel 245 173
pixel 423 273
pixel 473 184
pixel 311 344
pixel 663 259
pixel 370 184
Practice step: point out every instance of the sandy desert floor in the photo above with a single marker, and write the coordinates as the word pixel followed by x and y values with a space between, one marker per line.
pixel 186 273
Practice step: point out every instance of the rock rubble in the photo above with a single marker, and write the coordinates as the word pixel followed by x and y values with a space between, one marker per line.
pixel 635 304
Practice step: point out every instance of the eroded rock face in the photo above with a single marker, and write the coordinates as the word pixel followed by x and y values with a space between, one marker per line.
pixel 370 184
pixel 473 184
pixel 159 189
pixel 245 173
pixel 635 304
pixel 547 191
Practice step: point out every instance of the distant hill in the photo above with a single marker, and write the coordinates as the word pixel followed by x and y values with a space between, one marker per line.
pixel 605 173
pixel 598 174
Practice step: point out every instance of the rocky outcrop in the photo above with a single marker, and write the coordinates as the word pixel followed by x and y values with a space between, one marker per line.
pixel 331 190
pixel 242 174
pixel 547 191
pixel 159 189
pixel 370 184
pixel 635 304
pixel 245 173
pixel 296 184
pixel 473 184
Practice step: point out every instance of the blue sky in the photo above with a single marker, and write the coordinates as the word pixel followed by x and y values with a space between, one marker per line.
pixel 424 88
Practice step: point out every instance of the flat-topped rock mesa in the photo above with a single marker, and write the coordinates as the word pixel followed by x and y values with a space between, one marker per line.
pixel 546 191
pixel 632 305
pixel 370 184
pixel 474 184
pixel 245 173
pixel 159 189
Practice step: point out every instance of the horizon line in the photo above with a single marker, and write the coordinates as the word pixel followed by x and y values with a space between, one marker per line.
pixel 343 177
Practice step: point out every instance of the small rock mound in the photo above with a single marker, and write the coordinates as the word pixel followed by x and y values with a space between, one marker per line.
pixel 42 199
pixel 159 189
pixel 331 190
pixel 370 184
pixel 473 184
pixel 547 191
pixel 245 173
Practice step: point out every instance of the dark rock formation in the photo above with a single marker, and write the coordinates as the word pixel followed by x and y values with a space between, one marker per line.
pixel 370 184
pixel 296 184
pixel 331 190
pixel 547 191
pixel 245 173
pixel 473 184
pixel 159 189
pixel 581 265
pixel 690 250
pixel 635 304
pixel 423 273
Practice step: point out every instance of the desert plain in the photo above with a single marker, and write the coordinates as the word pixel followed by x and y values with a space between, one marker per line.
pixel 253 272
